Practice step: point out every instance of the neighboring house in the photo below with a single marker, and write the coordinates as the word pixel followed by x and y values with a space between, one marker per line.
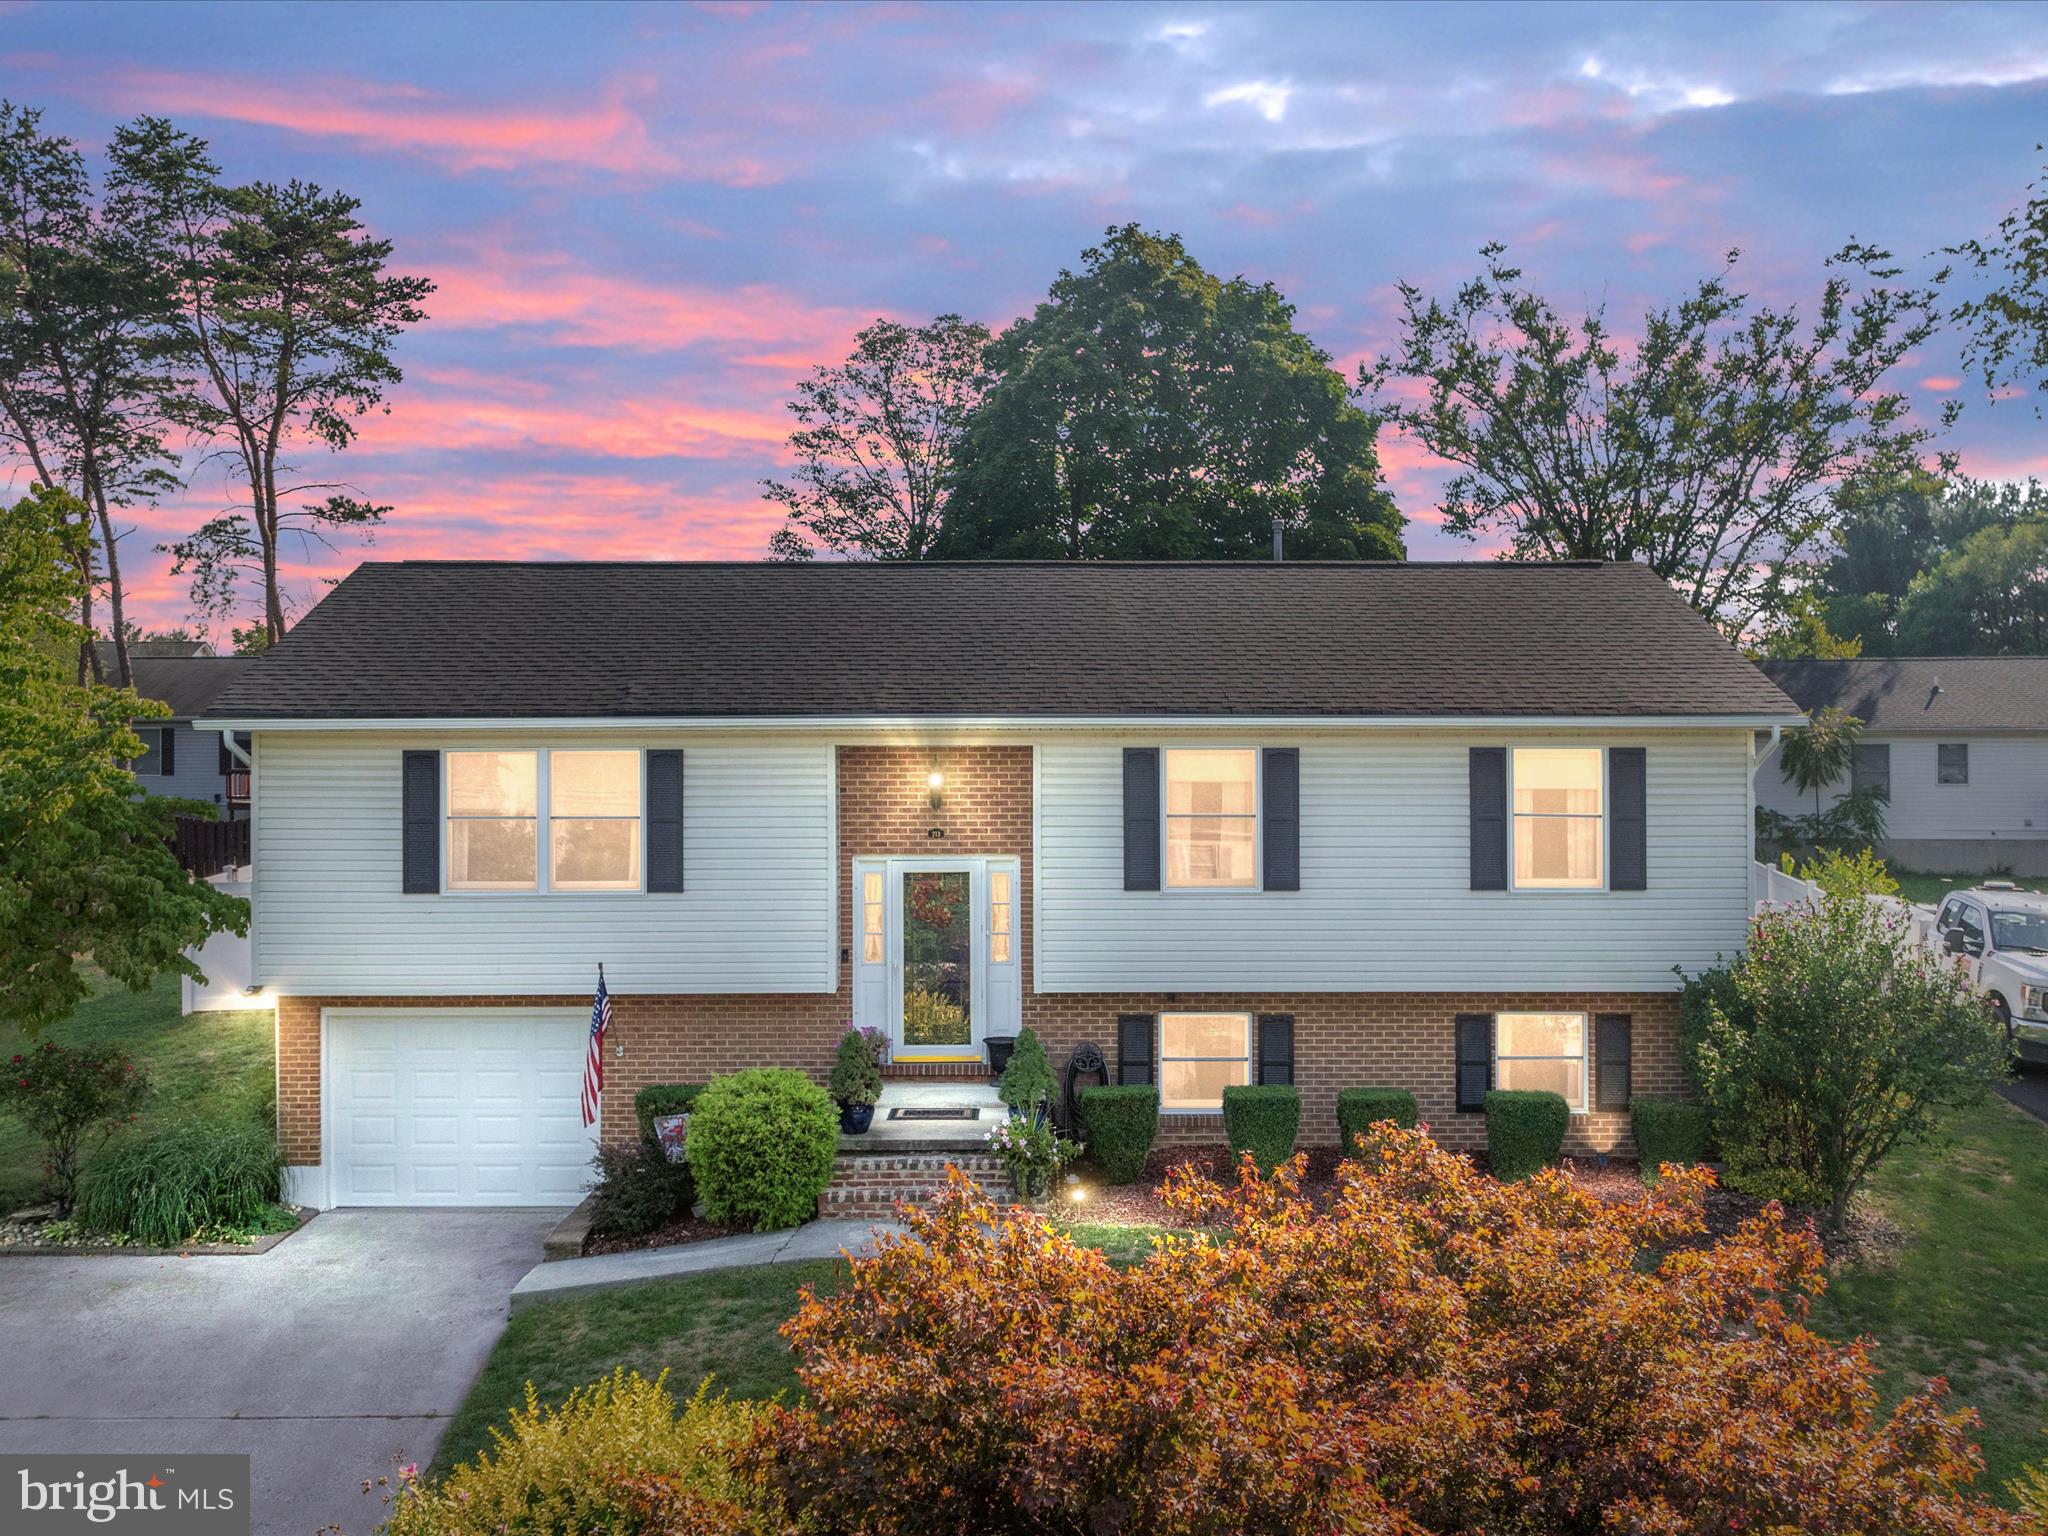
pixel 1959 743
pixel 179 758
pixel 1438 826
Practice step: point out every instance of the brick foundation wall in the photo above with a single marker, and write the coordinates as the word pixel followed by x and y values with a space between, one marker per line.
pixel 1341 1040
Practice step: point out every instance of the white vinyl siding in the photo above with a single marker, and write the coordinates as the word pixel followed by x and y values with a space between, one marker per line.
pixel 758 914
pixel 1385 900
pixel 2006 796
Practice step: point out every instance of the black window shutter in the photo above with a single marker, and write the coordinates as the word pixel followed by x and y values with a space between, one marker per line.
pixel 664 821
pixel 1276 1048
pixel 1280 790
pixel 1488 772
pixel 1612 1047
pixel 422 824
pixel 1134 1032
pixel 1628 827
pixel 1475 1059
pixel 1141 819
pixel 167 753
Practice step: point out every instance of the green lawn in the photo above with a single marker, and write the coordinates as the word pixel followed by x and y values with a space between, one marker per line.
pixel 1929 889
pixel 1968 1295
pixel 214 1064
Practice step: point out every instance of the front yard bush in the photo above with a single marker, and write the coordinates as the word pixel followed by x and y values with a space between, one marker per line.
pixel 663 1099
pixel 162 1187
pixel 1524 1131
pixel 638 1189
pixel 1669 1131
pixel 72 1100
pixel 1681 1389
pixel 1027 1081
pixel 1262 1121
pixel 616 1457
pixel 1358 1108
pixel 761 1148
pixel 1118 1127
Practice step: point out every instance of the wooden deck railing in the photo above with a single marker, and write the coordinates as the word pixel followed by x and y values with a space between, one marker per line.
pixel 206 848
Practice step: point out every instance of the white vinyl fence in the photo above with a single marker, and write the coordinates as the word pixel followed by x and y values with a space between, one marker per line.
pixel 1770 886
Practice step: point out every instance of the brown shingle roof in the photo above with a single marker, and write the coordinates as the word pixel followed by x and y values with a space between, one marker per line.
pixel 423 639
pixel 1899 693
pixel 188 684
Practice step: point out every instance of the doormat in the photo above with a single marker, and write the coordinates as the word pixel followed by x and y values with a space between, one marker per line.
pixel 967 1113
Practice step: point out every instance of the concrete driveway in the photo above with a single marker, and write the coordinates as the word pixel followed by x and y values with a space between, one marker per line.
pixel 345 1346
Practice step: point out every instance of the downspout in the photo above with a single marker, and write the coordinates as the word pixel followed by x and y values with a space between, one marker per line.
pixel 1756 761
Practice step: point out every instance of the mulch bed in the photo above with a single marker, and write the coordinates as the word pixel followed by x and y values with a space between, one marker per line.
pixel 24 1239
pixel 1869 1238
pixel 684 1229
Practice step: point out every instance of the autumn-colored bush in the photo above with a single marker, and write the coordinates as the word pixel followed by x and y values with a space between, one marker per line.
pixel 1358 1108
pixel 1427 1351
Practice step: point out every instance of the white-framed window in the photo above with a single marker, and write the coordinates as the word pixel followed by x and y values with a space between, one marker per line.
pixel 1558 805
pixel 871 917
pixel 151 763
pixel 1212 818
pixel 1542 1052
pixel 1001 916
pixel 1201 1054
pixel 1952 762
pixel 507 809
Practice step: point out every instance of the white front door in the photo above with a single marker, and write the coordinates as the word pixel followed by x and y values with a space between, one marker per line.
pixel 936 953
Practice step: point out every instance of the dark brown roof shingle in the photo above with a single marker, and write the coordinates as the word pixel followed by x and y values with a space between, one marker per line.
pixel 424 639
pixel 1924 693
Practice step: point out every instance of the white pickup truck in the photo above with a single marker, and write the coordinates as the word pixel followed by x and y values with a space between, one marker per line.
pixel 1999 936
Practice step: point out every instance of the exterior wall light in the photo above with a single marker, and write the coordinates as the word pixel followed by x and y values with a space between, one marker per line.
pixel 936 782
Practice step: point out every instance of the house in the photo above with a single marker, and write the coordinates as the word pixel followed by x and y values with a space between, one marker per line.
pixel 178 757
pixel 1440 826
pixel 1959 744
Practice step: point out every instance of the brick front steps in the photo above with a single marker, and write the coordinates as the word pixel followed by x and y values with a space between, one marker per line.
pixel 868 1185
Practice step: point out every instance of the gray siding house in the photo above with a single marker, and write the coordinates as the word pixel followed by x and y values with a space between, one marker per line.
pixel 179 758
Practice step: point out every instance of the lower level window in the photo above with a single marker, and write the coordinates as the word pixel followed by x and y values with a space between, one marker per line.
pixel 1542 1052
pixel 1201 1054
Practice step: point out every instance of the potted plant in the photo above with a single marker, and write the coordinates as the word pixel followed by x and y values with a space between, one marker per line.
pixel 1033 1154
pixel 856 1081
pixel 1026 1085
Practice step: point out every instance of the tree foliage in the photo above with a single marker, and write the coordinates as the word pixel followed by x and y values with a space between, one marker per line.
pixel 85 869
pixel 875 441
pixel 1986 597
pixel 1708 448
pixel 2005 327
pixel 72 1100
pixel 1427 1351
pixel 283 320
pixel 1148 410
pixel 1840 1039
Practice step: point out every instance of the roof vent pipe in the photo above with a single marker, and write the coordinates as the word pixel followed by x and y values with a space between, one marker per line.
pixel 1276 541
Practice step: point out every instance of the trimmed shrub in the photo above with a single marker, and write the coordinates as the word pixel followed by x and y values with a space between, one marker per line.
pixel 72 1100
pixel 761 1148
pixel 162 1187
pixel 1118 1127
pixel 663 1099
pixel 1262 1121
pixel 1358 1108
pixel 1669 1131
pixel 1524 1130
pixel 857 1074
pixel 638 1189
pixel 616 1457
pixel 1027 1081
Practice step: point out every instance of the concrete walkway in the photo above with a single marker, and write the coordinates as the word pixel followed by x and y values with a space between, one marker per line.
pixel 796 1245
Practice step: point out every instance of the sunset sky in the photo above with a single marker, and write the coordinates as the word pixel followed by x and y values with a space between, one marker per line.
pixel 647 223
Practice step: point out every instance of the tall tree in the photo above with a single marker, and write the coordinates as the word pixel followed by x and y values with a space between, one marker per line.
pixel 2005 328
pixel 875 440
pixel 1708 449
pixel 1147 410
pixel 85 868
pixel 80 391
pixel 285 319
pixel 1986 597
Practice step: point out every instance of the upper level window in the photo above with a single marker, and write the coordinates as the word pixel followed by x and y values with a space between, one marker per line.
pixel 493 821
pixel 1201 1054
pixel 594 821
pixel 1212 818
pixel 1952 763
pixel 1559 798
pixel 583 807
pixel 1545 1052
pixel 152 759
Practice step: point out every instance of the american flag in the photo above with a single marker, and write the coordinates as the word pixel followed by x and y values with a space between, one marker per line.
pixel 593 1059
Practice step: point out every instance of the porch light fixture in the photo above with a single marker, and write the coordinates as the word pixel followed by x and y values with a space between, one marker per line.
pixel 935 781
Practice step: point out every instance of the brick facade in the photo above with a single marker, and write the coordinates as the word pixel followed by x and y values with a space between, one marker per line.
pixel 1342 1040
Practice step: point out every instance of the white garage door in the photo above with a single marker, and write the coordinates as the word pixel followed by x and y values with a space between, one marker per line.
pixel 457 1107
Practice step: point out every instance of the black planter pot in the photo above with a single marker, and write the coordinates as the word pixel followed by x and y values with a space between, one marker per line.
pixel 854 1119
pixel 999 1049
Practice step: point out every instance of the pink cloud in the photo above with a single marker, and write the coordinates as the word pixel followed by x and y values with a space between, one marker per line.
pixel 1941 381
pixel 1644 240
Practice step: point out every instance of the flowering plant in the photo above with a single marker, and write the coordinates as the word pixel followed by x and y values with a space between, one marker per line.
pixel 1032 1152
pixel 878 1040
pixel 73 1099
